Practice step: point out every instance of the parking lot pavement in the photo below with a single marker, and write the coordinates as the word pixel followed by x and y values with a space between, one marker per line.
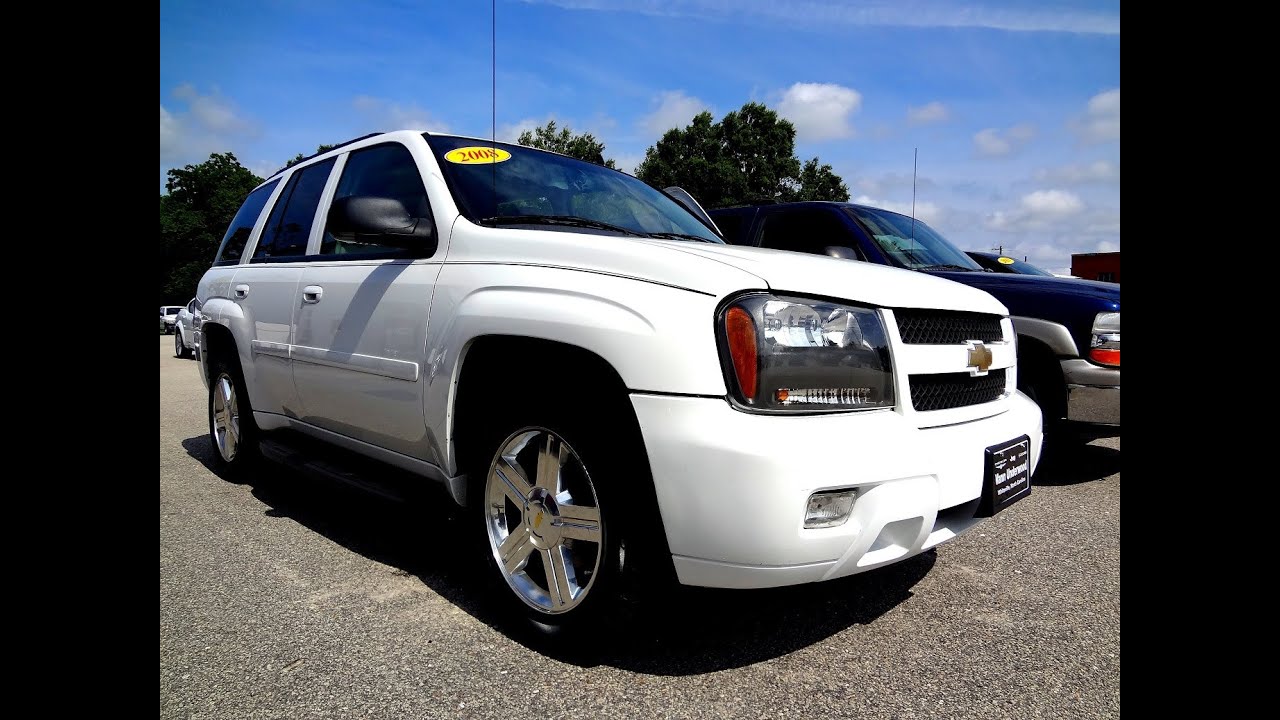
pixel 287 597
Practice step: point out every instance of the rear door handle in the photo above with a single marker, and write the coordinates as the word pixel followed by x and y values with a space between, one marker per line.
pixel 241 292
pixel 312 294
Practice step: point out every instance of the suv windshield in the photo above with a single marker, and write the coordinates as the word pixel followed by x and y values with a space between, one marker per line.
pixel 503 184
pixel 918 248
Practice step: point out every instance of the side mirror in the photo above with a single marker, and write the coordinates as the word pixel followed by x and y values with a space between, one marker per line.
pixel 839 251
pixel 382 221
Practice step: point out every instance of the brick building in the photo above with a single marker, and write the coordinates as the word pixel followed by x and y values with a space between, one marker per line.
pixel 1097 266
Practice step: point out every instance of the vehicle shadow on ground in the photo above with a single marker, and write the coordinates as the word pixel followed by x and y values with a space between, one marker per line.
pixel 1075 462
pixel 675 631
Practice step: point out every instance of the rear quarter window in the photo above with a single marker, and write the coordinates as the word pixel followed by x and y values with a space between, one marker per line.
pixel 241 228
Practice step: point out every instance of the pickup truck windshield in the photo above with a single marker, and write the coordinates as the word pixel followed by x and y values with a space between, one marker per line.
pixel 512 186
pixel 918 248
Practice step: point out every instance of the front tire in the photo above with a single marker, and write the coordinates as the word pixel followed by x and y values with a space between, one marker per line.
pixel 232 431
pixel 549 500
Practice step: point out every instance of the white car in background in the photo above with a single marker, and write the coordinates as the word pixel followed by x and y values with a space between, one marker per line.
pixel 186 335
pixel 168 316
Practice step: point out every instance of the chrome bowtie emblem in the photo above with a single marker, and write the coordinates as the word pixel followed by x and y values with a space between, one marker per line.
pixel 979 359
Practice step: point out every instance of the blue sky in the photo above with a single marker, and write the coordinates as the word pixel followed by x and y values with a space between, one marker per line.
pixel 1014 106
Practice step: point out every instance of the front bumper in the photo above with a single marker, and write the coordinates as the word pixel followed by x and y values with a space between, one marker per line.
pixel 1093 392
pixel 732 486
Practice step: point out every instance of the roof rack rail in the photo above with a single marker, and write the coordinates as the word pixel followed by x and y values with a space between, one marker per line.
pixel 335 147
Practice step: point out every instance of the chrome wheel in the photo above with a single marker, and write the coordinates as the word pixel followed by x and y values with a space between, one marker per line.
pixel 177 345
pixel 543 519
pixel 226 418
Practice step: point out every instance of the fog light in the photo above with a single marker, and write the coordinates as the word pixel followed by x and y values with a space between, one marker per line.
pixel 829 509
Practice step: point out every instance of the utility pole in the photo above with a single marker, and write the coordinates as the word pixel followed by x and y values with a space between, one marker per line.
pixel 999 249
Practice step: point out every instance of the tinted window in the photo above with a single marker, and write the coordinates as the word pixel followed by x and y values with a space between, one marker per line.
pixel 911 243
pixel 290 223
pixel 380 171
pixel 731 226
pixel 242 225
pixel 522 182
pixel 807 231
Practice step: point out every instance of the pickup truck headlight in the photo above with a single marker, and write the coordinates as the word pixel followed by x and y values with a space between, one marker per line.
pixel 789 354
pixel 1104 346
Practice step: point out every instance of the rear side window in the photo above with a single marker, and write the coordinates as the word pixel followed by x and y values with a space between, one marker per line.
pixel 730 225
pixel 237 236
pixel 807 231
pixel 289 225
pixel 379 171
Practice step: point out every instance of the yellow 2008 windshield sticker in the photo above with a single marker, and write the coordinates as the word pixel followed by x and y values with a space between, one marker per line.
pixel 477 156
pixel 1001 260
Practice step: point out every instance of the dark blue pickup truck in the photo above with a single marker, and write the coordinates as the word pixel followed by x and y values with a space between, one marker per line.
pixel 1068 329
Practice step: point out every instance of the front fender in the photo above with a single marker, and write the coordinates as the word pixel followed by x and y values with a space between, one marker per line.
pixel 656 337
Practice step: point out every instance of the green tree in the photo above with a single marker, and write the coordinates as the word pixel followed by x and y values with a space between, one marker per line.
pixel 300 157
pixel 199 203
pixel 565 142
pixel 749 156
pixel 818 182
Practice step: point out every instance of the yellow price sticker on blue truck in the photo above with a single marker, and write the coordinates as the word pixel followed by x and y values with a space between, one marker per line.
pixel 477 156
pixel 1005 260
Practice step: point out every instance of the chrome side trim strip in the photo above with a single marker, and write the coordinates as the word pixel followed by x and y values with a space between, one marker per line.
pixel 372 364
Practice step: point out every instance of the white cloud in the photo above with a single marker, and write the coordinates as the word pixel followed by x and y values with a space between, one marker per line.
pixel 511 131
pixel 1101 120
pixel 206 124
pixel 673 109
pixel 996 143
pixel 934 112
pixel 826 13
pixel 1041 210
pixel 627 162
pixel 1098 171
pixel 820 111
pixel 1052 202
pixel 384 116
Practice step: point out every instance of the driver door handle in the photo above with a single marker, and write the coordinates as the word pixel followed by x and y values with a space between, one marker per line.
pixel 311 294
pixel 241 292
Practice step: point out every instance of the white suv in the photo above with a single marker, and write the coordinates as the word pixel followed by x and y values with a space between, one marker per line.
pixel 599 380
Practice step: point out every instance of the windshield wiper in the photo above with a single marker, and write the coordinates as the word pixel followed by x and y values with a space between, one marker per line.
pixel 569 220
pixel 945 266
pixel 679 236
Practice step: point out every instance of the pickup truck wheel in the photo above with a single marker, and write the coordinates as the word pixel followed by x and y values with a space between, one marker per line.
pixel 178 349
pixel 552 534
pixel 232 430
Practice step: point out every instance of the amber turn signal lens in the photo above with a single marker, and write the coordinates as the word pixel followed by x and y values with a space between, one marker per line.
pixel 741 333
pixel 1105 356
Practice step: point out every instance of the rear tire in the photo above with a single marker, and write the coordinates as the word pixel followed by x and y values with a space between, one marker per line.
pixel 179 349
pixel 232 431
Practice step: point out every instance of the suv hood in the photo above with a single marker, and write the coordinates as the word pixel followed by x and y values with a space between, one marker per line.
pixel 717 270
pixel 1062 300
pixel 805 274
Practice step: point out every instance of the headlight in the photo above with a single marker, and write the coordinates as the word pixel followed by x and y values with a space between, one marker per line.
pixel 1104 346
pixel 787 354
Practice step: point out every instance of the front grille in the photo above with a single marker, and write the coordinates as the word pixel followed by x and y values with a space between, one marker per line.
pixel 943 391
pixel 941 327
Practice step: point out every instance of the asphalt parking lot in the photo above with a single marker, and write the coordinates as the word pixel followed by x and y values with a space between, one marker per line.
pixel 288 597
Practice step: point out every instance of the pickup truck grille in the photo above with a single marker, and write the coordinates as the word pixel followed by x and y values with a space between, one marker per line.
pixel 940 327
pixel 943 391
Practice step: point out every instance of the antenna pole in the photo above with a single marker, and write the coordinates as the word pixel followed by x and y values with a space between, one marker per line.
pixel 915 159
pixel 493 98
